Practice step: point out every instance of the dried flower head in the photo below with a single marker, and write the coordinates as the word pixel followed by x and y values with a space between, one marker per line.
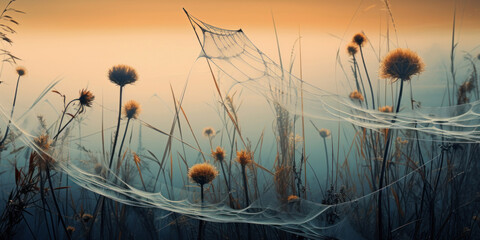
pixel 360 39
pixel 86 217
pixel 70 230
pixel 293 198
pixel 131 109
pixel 136 158
pixel 401 64
pixel 21 71
pixel 356 95
pixel 244 157
pixel 352 49
pixel 43 142
pixel 209 132
pixel 219 154
pixel 386 109
pixel 86 98
pixel 122 75
pixel 324 133
pixel 202 173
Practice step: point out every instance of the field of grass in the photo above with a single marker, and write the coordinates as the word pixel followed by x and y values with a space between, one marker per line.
pixel 369 164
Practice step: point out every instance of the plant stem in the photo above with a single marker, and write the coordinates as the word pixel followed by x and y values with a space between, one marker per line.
pixel 11 113
pixel 368 77
pixel 326 160
pixel 123 139
pixel 118 128
pixel 384 163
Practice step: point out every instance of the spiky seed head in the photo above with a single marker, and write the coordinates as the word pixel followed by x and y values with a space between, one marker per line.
pixel 360 39
pixel 122 75
pixel 42 159
pixel 356 95
pixel 21 71
pixel 386 109
pixel 86 98
pixel 244 157
pixel 324 133
pixel 202 173
pixel 219 154
pixel 209 132
pixel 131 109
pixel 401 64
pixel 352 49
pixel 293 198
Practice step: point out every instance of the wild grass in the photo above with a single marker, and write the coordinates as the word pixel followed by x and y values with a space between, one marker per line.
pixel 387 183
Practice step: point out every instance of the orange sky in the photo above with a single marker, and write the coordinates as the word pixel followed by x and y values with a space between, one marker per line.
pixel 318 14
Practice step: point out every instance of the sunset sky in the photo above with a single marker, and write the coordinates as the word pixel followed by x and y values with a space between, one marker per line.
pixel 318 14
pixel 78 41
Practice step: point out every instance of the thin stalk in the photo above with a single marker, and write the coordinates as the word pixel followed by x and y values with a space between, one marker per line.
pixel 56 203
pixel 382 172
pixel 326 160
pixel 201 223
pixel 118 128
pixel 11 113
pixel 123 139
pixel 247 201
pixel 69 121
pixel 368 77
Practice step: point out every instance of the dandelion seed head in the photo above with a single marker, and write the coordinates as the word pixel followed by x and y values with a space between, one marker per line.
pixel 131 109
pixel 219 154
pixel 401 64
pixel 202 173
pixel 360 39
pixel 244 157
pixel 324 133
pixel 122 75
pixel 356 95
pixel 86 98
pixel 21 71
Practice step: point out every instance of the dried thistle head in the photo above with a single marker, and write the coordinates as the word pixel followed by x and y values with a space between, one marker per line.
pixel 244 157
pixel 386 109
pixel 86 98
pixel 356 95
pixel 401 64
pixel 122 75
pixel 202 173
pixel 21 71
pixel 219 154
pixel 293 198
pixel 352 49
pixel 360 39
pixel 209 132
pixel 131 109
pixel 324 133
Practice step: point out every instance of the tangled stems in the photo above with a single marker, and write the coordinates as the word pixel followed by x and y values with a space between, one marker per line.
pixel 11 113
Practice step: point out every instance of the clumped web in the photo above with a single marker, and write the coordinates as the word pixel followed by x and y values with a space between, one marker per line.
pixel 241 63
